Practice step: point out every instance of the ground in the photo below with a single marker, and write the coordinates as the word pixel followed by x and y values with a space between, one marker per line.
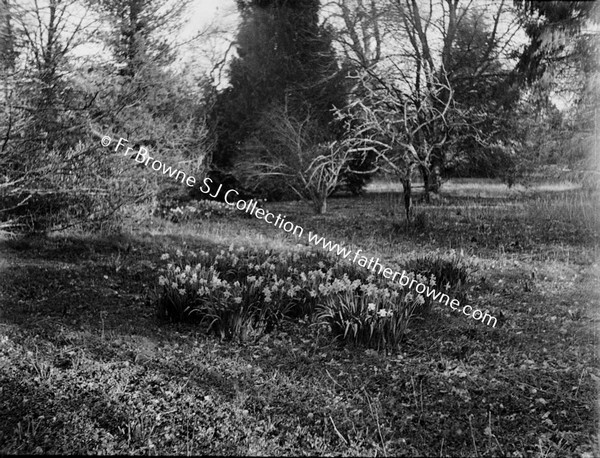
pixel 86 367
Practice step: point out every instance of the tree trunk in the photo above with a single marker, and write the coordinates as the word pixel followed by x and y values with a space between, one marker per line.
pixel 435 178
pixel 407 188
pixel 320 205
pixel 426 174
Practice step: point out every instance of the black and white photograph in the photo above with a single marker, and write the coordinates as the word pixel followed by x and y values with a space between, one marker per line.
pixel 300 228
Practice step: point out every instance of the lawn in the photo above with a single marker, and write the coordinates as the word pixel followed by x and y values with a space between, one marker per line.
pixel 87 367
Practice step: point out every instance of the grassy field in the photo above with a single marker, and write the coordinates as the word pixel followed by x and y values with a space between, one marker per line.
pixel 86 367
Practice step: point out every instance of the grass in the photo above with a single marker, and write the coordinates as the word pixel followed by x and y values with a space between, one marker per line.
pixel 87 367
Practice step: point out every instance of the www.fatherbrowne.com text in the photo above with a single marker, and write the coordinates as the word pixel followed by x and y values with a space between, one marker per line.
pixel 142 156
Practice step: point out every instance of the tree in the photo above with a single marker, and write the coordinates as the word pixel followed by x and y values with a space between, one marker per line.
pixel 284 58
pixel 482 89
pixel 52 165
pixel 550 25
pixel 7 44
pixel 402 130
pixel 438 62
pixel 359 30
pixel 143 98
pixel 299 153
pixel 559 66
pixel 42 118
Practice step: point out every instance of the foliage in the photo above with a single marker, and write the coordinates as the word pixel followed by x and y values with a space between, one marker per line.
pixel 247 293
pixel 550 25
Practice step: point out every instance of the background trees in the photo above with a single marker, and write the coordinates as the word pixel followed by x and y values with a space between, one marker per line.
pixel 427 88
pixel 61 91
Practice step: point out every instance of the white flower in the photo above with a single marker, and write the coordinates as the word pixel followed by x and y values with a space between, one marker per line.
pixel 408 297
pixel 188 269
pixel 420 300
pixel 182 292
pixel 174 285
pixel 371 307
pixel 179 253
pixel 162 281
pixel 382 313
pixel 165 256
pixel 237 300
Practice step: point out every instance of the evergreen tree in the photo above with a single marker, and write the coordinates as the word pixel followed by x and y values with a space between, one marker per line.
pixel 284 58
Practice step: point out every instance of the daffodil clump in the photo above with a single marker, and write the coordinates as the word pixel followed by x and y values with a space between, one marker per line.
pixel 199 209
pixel 370 315
pixel 242 293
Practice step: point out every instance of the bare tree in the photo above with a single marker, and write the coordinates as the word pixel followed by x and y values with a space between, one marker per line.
pixel 299 154
pixel 403 127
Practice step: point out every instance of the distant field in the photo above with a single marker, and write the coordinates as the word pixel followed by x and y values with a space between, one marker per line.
pixel 483 187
